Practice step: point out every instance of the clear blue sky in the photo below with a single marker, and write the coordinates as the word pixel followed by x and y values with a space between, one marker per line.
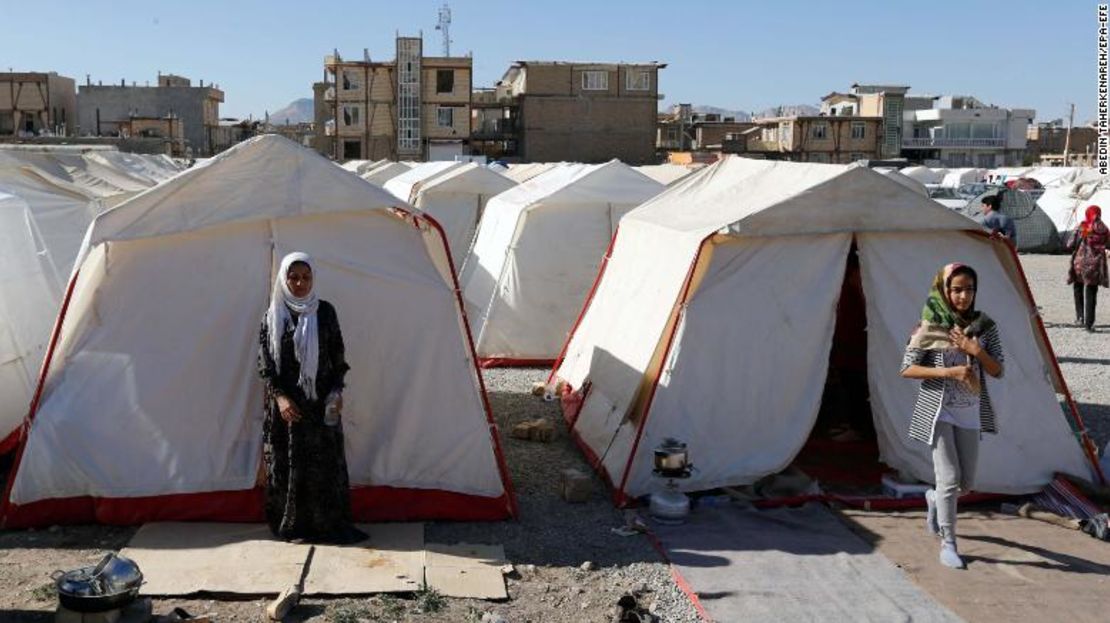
pixel 731 54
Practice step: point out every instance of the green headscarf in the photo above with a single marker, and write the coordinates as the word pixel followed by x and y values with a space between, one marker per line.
pixel 939 316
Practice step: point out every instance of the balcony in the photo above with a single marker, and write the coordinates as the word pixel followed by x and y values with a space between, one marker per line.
pixel 495 130
pixel 490 98
pixel 964 143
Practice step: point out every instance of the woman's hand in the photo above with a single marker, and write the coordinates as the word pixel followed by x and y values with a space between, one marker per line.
pixel 339 403
pixel 967 344
pixel 963 374
pixel 288 410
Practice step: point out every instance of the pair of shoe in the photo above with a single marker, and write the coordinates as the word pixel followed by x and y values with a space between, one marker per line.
pixel 949 556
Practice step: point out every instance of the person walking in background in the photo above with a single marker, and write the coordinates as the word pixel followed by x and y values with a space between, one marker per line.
pixel 949 352
pixel 997 222
pixel 1087 270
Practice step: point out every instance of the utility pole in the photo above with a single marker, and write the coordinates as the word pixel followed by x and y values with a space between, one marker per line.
pixel 1067 137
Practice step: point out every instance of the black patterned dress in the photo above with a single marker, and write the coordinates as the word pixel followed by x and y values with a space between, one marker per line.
pixel 307 491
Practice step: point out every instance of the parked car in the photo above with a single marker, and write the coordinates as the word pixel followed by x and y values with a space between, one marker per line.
pixel 945 196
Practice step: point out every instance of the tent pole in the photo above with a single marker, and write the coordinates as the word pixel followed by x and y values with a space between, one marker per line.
pixel 619 493
pixel 1084 438
pixel 502 466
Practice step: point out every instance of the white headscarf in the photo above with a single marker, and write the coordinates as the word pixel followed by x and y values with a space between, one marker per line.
pixel 306 340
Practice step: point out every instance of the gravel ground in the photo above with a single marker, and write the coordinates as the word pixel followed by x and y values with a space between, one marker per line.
pixel 569 566
pixel 553 540
pixel 1084 357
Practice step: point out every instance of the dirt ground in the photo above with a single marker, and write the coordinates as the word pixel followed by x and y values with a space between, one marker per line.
pixel 1017 569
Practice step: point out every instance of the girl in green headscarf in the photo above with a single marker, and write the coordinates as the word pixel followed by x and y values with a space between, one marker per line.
pixel 949 352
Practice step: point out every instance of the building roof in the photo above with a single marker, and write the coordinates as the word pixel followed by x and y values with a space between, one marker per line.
pixel 656 64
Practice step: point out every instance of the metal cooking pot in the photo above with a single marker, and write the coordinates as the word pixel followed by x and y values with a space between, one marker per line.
pixel 112 583
pixel 671 455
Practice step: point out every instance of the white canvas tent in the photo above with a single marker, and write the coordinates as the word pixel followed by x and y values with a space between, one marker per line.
pixel 42 223
pixel 713 319
pixel 537 252
pixel 151 406
pixel 905 180
pixel 86 168
pixel 954 178
pixel 925 175
pixel 666 173
pixel 1065 203
pixel 524 172
pixel 456 200
pixel 382 173
pixel 402 186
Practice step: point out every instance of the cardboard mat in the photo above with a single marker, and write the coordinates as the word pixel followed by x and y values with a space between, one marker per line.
pixel 187 558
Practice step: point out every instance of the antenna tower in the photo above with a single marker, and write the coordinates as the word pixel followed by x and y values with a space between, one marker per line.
pixel 444 25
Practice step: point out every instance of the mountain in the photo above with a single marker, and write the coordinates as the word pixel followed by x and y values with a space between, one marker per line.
pixel 788 110
pixel 298 111
pixel 739 115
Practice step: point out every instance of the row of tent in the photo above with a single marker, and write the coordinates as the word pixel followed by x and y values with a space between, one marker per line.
pixel 676 301
pixel 48 198
pixel 1064 192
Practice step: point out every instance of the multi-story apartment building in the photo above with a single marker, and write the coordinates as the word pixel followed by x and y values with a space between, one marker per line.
pixel 873 100
pixel 961 131
pixel 35 103
pixel 684 130
pixel 103 109
pixel 546 111
pixel 1047 142
pixel 414 107
pixel 832 139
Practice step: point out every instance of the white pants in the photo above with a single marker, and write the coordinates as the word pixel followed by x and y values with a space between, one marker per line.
pixel 955 454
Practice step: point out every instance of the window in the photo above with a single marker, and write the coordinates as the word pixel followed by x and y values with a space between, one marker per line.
pixel 445 81
pixel 859 130
pixel 769 135
pixel 350 80
pixel 638 80
pixel 352 150
pixel 350 115
pixel 819 158
pixel 595 81
pixel 445 117
pixel 856 157
pixel 984 161
pixel 819 130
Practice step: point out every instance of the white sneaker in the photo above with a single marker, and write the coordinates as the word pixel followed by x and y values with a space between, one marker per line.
pixel 949 557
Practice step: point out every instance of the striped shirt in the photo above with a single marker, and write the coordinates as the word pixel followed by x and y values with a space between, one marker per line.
pixel 930 396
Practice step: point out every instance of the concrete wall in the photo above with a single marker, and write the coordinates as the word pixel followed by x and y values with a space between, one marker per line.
pixel 48 99
pixel 196 107
pixel 588 129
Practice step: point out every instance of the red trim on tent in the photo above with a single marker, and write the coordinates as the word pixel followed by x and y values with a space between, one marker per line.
pixel 680 581
pixel 502 466
pixel 367 504
pixel 585 305
pixel 10 442
pixel 510 362
pixel 1085 442
pixel 572 402
pixel 24 429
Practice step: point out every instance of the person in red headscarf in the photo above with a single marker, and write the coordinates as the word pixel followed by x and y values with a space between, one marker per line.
pixel 1088 268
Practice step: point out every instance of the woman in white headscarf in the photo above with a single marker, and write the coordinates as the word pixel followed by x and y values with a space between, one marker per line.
pixel 302 366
